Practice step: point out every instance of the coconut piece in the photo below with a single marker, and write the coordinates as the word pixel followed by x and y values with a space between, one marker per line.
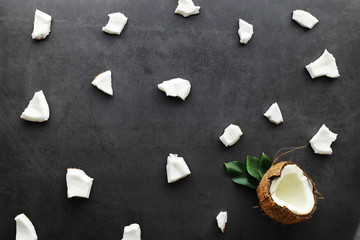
pixel 231 135
pixel 322 140
pixel 176 168
pixel 25 230
pixel 132 232
pixel 304 18
pixel 221 219
pixel 187 8
pixel 245 31
pixel 103 82
pixel 78 183
pixel 176 87
pixel 325 65
pixel 38 109
pixel 42 25
pixel 116 23
pixel 287 194
pixel 274 114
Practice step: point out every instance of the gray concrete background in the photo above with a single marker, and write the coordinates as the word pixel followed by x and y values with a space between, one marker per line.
pixel 123 141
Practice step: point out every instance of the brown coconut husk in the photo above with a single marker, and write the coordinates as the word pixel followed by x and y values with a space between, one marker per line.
pixel 267 204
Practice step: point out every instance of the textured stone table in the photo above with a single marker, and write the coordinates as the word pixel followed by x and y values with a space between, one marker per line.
pixel 123 141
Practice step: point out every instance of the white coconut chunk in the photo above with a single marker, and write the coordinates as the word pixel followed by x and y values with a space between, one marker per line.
pixel 245 31
pixel 322 140
pixel 221 219
pixel 38 109
pixel 274 114
pixel 132 232
pixel 78 183
pixel 187 8
pixel 293 190
pixel 231 135
pixel 42 25
pixel 176 87
pixel 116 23
pixel 176 168
pixel 25 230
pixel 304 18
pixel 103 82
pixel 325 65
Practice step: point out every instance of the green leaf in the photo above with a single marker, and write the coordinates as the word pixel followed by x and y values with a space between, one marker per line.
pixel 264 165
pixel 252 166
pixel 237 172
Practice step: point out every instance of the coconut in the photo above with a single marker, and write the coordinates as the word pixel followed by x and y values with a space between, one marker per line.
pixel 287 194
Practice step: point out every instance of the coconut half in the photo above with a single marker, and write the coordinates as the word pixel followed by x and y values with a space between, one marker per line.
pixel 287 194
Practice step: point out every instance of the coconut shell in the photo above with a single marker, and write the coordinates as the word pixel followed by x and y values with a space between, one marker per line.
pixel 267 204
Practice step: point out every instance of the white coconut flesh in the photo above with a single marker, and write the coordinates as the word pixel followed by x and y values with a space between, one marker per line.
pixel 78 183
pixel 304 18
pixel 176 87
pixel 187 8
pixel 176 168
pixel 231 135
pixel 322 140
pixel 293 190
pixel 221 219
pixel 42 25
pixel 274 114
pixel 116 23
pixel 103 82
pixel 325 65
pixel 25 230
pixel 38 109
pixel 245 31
pixel 132 232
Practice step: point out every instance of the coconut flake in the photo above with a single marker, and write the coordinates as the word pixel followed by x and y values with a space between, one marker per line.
pixel 187 8
pixel 245 31
pixel 25 230
pixel 293 190
pixel 38 109
pixel 325 65
pixel 132 232
pixel 176 168
pixel 221 219
pixel 42 25
pixel 103 82
pixel 78 183
pixel 176 87
pixel 322 140
pixel 116 23
pixel 274 114
pixel 231 135
pixel 304 18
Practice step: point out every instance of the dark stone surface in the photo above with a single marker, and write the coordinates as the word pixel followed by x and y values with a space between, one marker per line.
pixel 123 141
